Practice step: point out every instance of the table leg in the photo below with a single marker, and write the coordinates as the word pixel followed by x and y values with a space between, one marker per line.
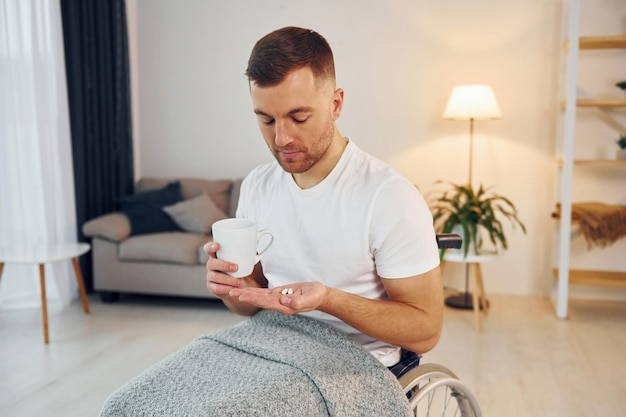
pixel 484 303
pixel 475 299
pixel 44 304
pixel 81 285
pixel 1 268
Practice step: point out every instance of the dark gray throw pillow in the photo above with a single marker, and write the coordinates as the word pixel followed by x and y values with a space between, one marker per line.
pixel 145 209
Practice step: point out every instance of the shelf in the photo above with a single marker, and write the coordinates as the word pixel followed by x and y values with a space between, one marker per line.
pixel 600 162
pixel 595 277
pixel 602 42
pixel 598 103
pixel 599 42
pixel 581 102
pixel 597 162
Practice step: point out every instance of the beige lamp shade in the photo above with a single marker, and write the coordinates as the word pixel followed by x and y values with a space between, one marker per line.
pixel 472 102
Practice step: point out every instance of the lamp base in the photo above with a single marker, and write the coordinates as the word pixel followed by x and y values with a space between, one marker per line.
pixel 462 300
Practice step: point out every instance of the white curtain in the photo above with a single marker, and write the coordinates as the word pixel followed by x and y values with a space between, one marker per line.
pixel 36 177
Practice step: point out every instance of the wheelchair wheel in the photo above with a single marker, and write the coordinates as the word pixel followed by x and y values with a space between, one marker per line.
pixel 434 390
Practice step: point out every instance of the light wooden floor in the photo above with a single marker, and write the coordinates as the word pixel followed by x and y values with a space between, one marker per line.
pixel 525 362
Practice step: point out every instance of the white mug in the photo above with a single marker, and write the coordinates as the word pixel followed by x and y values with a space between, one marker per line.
pixel 238 240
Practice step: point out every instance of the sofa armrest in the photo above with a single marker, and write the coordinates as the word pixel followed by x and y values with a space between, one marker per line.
pixel 114 227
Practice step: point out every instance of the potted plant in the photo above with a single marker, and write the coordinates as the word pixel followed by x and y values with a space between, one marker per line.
pixel 621 142
pixel 460 207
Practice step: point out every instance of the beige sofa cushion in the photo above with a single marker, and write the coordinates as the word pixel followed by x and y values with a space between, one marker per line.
pixel 196 215
pixel 114 227
pixel 175 247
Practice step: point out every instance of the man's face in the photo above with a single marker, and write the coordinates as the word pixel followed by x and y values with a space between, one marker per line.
pixel 297 118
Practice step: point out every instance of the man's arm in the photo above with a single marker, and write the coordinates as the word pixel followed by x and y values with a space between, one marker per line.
pixel 412 317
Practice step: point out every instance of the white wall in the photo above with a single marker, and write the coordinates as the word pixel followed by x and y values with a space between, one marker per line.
pixel 397 62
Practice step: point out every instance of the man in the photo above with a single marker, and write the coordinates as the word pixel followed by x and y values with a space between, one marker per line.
pixel 353 239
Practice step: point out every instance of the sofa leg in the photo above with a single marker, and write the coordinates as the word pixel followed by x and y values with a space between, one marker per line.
pixel 109 296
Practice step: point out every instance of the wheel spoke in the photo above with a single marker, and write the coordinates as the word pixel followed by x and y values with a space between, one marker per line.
pixel 437 392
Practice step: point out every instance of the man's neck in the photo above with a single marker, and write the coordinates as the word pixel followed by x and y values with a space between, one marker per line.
pixel 319 171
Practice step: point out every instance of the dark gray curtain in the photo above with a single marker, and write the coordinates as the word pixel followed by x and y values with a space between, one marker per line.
pixel 98 84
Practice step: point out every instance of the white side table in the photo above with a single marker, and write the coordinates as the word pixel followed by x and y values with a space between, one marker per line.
pixel 476 300
pixel 41 255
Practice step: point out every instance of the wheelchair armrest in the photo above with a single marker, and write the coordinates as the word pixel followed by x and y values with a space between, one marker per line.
pixel 408 361
pixel 449 241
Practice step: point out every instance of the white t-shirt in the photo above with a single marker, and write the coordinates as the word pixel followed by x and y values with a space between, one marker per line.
pixel 364 220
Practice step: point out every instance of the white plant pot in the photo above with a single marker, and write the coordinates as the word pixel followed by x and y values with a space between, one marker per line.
pixel 458 229
pixel 472 249
pixel 620 154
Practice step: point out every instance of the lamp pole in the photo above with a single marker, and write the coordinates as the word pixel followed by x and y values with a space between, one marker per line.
pixel 467 296
pixel 471 149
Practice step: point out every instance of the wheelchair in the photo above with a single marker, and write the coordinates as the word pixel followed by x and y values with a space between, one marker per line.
pixel 432 389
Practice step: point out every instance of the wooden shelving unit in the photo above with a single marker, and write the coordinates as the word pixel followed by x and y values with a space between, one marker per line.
pixel 570 105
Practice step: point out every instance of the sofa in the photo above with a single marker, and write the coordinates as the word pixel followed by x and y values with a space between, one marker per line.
pixel 154 243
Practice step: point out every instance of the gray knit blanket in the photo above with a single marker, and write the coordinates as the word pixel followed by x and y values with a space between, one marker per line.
pixel 268 365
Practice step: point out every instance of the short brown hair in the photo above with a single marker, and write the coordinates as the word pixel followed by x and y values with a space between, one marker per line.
pixel 287 49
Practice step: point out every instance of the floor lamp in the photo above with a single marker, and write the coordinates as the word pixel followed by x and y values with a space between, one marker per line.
pixel 470 102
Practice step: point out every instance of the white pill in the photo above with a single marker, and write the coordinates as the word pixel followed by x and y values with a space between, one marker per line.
pixel 284 291
pixel 290 291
